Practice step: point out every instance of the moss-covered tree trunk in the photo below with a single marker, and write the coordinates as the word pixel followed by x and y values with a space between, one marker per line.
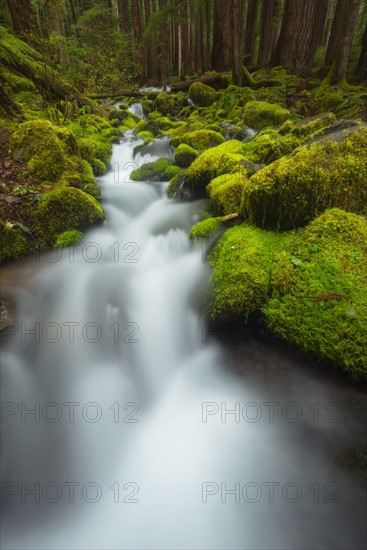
pixel 361 69
pixel 266 35
pixel 252 12
pixel 222 43
pixel 23 19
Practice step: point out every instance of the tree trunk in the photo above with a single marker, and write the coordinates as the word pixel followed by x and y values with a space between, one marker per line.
pixel 23 19
pixel 136 15
pixel 7 103
pixel 266 34
pixel 222 43
pixel 123 11
pixel 295 34
pixel 163 46
pixel 334 34
pixel 235 19
pixel 349 21
pixel 361 69
pixel 249 53
pixel 318 28
pixel 199 41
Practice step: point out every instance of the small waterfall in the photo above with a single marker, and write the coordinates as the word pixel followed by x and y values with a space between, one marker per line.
pixel 123 424
pixel 137 109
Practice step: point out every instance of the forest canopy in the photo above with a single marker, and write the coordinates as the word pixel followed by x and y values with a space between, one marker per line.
pixel 100 44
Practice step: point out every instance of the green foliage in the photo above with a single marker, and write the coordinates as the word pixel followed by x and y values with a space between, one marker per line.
pixel 152 171
pixel 260 114
pixel 242 267
pixel 12 243
pixel 204 229
pixel 185 155
pixel 319 297
pixel 64 209
pixel 68 238
pixel 201 94
pixel 225 193
pixel 295 189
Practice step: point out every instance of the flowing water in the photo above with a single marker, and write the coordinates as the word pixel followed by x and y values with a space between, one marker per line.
pixel 143 435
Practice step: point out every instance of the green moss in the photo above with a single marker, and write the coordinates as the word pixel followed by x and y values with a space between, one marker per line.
pixel 174 184
pixel 204 229
pixel 37 143
pixel 165 103
pixel 223 159
pixel 98 167
pixel 225 193
pixel 309 126
pixel 12 243
pixel 95 146
pixel 145 134
pixel 242 267
pixel 152 171
pixel 172 171
pixel 64 209
pixel 202 139
pixel 201 94
pixel 185 155
pixel 260 114
pixel 151 126
pixel 319 297
pixel 68 238
pixel 270 145
pixel 293 190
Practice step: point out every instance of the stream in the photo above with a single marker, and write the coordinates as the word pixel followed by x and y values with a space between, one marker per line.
pixel 127 425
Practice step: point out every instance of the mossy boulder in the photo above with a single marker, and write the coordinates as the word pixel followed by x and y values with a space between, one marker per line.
pixel 68 238
pixel 202 95
pixel 241 276
pixel 270 145
pixel 225 193
pixel 12 243
pixel 64 209
pixel 223 159
pixel 319 298
pixel 261 114
pixel 150 126
pixel 308 126
pixel 202 139
pixel 204 229
pixel 295 189
pixel 165 103
pixel 185 155
pixel 43 147
pixel 172 171
pixel 152 171
pixel 95 146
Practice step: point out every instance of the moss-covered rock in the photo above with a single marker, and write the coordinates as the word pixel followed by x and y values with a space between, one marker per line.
pixel 260 114
pixel 68 238
pixel 152 171
pixel 165 103
pixel 12 243
pixel 308 126
pixel 95 147
pixel 202 139
pixel 98 167
pixel 64 209
pixel 225 193
pixel 319 297
pixel 241 277
pixel 151 126
pixel 172 171
pixel 293 190
pixel 185 155
pixel 201 94
pixel 270 145
pixel 38 144
pixel 204 229
pixel 223 159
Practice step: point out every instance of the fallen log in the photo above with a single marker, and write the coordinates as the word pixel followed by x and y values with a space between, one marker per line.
pixel 208 80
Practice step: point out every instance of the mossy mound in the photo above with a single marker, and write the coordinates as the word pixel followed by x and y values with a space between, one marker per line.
pixel 293 190
pixel 12 243
pixel 260 114
pixel 202 95
pixel 308 126
pixel 172 171
pixel 95 146
pixel 319 286
pixel 223 159
pixel 68 238
pixel 202 139
pixel 204 229
pixel 241 277
pixel 165 103
pixel 270 145
pixel 185 155
pixel 150 126
pixel 64 209
pixel 152 171
pixel 225 193
pixel 43 147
